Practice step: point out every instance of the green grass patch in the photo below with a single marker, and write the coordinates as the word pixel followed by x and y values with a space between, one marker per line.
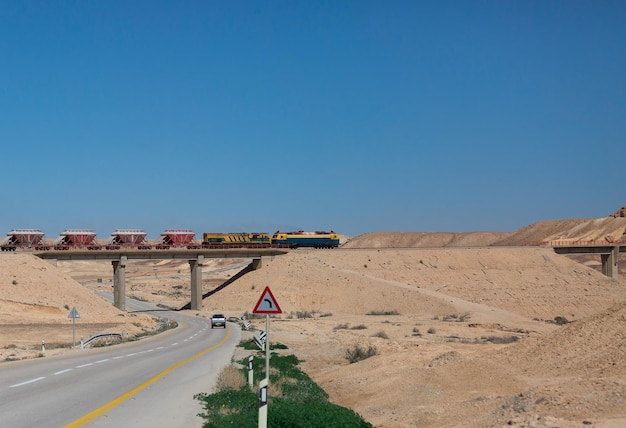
pixel 294 401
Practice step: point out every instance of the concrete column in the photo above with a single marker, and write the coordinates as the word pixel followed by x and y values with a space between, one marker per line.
pixel 196 283
pixel 609 263
pixel 257 263
pixel 119 283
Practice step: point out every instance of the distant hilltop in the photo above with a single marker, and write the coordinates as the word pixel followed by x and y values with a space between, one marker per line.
pixel 608 229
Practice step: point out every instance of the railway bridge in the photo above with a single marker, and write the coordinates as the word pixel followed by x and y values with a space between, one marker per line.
pixel 609 252
pixel 196 257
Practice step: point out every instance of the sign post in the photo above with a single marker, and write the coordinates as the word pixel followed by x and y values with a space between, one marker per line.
pixel 267 305
pixel 73 315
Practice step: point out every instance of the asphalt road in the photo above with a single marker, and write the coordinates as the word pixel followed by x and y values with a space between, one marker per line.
pixel 148 383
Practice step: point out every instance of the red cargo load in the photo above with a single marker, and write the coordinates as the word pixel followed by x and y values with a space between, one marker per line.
pixel 176 238
pixel 22 238
pixel 76 238
pixel 128 237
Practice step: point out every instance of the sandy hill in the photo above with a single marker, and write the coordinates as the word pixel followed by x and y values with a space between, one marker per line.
pixel 604 229
pixel 433 368
pixel 465 330
pixel 36 299
pixel 424 239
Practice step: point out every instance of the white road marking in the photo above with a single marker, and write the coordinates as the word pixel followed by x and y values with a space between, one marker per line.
pixel 84 365
pixel 63 371
pixel 27 382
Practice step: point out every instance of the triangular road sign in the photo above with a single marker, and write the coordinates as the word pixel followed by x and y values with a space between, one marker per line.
pixel 73 313
pixel 267 304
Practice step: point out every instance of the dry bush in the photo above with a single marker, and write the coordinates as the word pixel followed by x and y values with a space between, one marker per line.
pixel 381 334
pixel 357 353
pixel 230 379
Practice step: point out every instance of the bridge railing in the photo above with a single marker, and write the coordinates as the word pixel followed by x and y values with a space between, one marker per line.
pixel 569 243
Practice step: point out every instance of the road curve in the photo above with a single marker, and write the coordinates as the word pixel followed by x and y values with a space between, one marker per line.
pixel 146 383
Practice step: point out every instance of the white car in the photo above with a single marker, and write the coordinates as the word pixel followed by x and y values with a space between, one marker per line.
pixel 218 320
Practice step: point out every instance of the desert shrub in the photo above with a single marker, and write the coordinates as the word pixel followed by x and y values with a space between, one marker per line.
pixel 230 379
pixel 431 330
pixel 343 326
pixel 358 353
pixel 381 334
pixel 394 312
pixel 359 327
pixel 560 320
pixel 500 340
pixel 456 318
pixel 304 314
pixel 416 332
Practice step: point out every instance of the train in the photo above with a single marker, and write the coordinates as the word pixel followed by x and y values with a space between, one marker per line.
pixel 69 239
pixel 318 239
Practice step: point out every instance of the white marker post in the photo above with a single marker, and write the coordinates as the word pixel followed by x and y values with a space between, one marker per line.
pixel 266 305
pixel 250 371
pixel 263 404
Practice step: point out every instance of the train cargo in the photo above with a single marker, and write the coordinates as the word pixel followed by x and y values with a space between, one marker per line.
pixel 78 239
pixel 23 238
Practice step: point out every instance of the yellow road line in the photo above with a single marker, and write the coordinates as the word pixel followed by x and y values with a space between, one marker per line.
pixel 119 400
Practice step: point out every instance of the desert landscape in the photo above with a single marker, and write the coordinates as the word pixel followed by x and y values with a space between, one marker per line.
pixel 471 329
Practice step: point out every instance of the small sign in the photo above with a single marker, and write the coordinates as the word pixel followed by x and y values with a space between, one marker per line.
pixel 259 339
pixel 73 313
pixel 267 304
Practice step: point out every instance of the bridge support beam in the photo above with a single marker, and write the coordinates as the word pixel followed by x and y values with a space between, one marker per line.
pixel 609 263
pixel 196 283
pixel 119 283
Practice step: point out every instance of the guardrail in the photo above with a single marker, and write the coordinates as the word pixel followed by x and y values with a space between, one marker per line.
pixel 567 243
pixel 88 342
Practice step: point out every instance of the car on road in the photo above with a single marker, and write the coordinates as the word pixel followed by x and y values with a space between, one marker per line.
pixel 218 320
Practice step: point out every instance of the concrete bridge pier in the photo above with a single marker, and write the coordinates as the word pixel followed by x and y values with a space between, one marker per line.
pixel 196 282
pixel 609 262
pixel 119 283
pixel 257 263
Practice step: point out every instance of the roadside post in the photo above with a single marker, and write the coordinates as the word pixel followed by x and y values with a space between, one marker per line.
pixel 73 315
pixel 263 403
pixel 250 371
pixel 267 305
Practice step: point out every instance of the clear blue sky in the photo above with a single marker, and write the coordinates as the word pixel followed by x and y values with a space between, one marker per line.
pixel 356 116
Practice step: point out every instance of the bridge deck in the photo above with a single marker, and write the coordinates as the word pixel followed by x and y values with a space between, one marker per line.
pixel 178 253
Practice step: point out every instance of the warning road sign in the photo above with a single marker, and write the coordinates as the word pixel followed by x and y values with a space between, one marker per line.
pixel 267 304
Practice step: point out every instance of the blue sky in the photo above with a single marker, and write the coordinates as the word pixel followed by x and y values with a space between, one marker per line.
pixel 356 116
